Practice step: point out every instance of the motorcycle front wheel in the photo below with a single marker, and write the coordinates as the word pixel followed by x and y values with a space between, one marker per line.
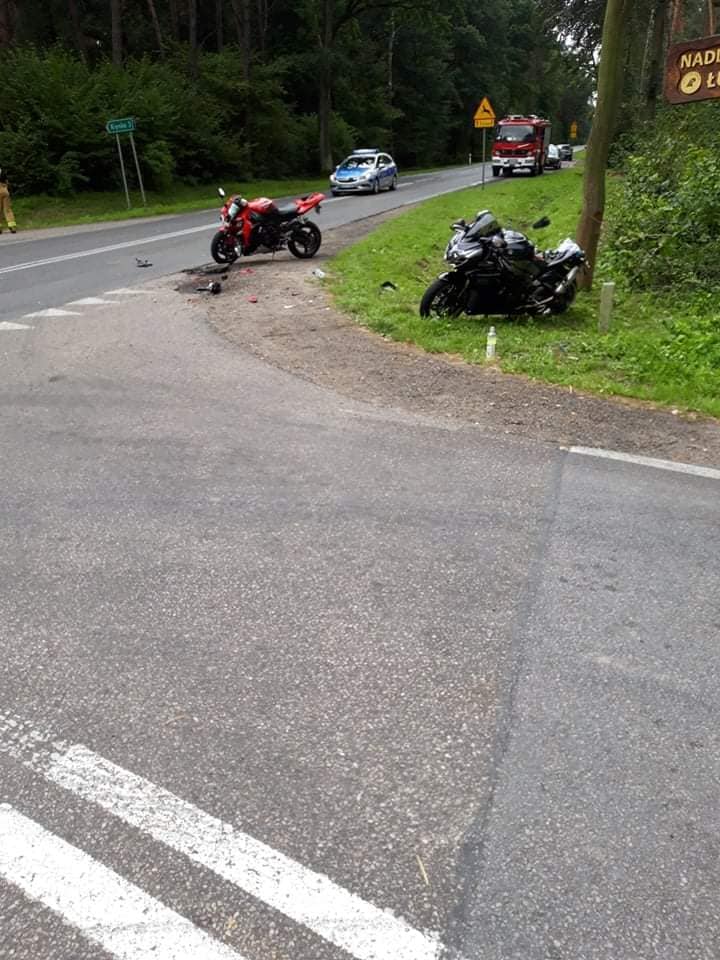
pixel 439 301
pixel 565 300
pixel 222 249
pixel 305 241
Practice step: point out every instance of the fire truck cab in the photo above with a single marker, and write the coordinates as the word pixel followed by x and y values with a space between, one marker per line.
pixel 520 143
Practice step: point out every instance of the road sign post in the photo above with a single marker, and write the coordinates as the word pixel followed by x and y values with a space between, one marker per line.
pixel 126 125
pixel 122 170
pixel 137 168
pixel 483 118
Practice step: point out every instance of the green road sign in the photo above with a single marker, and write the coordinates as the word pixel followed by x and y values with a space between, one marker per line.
pixel 126 125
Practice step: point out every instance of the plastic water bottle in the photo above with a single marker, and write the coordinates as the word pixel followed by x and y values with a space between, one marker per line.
pixel 490 345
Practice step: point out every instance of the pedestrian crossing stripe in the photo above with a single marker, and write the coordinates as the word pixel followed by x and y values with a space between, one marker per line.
pixel 363 930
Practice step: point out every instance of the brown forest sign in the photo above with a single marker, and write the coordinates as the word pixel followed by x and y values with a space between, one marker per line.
pixel 693 70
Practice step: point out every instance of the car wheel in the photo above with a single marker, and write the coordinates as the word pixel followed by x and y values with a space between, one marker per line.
pixel 496 171
pixel 507 172
pixel 376 186
pixel 393 183
pixel 335 193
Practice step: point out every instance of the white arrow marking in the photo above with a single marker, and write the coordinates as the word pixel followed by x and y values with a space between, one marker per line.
pixel 7 325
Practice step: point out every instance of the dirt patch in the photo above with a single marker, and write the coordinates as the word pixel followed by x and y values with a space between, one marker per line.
pixel 279 311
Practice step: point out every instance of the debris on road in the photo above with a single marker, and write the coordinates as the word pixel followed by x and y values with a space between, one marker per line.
pixel 252 300
pixel 423 871
pixel 212 287
pixel 320 274
pixel 142 263
pixel 388 285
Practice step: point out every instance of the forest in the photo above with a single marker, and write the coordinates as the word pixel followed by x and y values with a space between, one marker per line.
pixel 272 88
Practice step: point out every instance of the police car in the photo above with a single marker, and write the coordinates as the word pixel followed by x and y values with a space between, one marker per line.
pixel 364 171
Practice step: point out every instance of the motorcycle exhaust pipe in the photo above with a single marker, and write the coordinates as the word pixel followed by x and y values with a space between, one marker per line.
pixel 562 287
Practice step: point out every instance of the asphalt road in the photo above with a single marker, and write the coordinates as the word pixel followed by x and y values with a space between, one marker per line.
pixel 46 268
pixel 284 677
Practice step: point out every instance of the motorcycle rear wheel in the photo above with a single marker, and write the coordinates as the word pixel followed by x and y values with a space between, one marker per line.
pixel 439 301
pixel 305 241
pixel 222 251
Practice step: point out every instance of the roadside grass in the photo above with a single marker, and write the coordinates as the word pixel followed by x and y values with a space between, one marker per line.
pixel 652 352
pixel 44 211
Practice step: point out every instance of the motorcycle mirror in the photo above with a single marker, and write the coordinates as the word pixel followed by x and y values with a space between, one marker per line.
pixel 542 222
pixel 221 191
pixel 459 225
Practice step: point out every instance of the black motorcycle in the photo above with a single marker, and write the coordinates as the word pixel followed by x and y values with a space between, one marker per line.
pixel 500 272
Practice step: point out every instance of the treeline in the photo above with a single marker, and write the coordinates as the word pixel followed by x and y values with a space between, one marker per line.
pixel 268 88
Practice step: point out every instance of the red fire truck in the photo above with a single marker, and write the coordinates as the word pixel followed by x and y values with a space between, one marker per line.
pixel 521 143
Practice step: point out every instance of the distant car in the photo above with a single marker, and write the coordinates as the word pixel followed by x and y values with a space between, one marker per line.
pixel 364 171
pixel 552 161
pixel 566 151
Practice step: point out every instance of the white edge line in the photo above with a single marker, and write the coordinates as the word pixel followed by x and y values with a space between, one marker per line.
pixel 691 468
pixel 106 908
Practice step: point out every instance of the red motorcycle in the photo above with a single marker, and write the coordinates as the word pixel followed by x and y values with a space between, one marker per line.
pixel 263 226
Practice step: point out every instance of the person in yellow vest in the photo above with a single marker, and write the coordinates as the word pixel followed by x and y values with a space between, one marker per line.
pixel 5 208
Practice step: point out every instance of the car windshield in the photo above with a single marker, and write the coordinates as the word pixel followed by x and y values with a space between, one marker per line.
pixel 356 163
pixel 516 133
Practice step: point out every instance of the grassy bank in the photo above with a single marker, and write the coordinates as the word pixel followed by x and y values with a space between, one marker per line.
pixel 42 211
pixel 659 349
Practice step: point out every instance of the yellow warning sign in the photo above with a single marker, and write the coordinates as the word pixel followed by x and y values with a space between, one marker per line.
pixel 484 115
pixel 573 130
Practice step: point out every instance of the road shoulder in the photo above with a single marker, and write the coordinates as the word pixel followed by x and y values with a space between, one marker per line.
pixel 279 311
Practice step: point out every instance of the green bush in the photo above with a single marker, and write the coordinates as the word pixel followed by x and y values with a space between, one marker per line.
pixel 664 214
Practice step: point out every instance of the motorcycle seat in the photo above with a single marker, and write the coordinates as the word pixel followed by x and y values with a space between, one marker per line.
pixel 286 211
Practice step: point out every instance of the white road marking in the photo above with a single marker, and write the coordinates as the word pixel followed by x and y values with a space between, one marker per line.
pixel 363 930
pixel 129 291
pixel 80 254
pixel 107 909
pixel 53 312
pixel 691 468
pixel 89 302
pixel 8 325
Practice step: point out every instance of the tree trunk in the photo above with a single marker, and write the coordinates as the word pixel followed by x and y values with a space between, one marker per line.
pixel 219 33
pixel 603 127
pixel 77 32
pixel 241 10
pixel 390 75
pixel 263 23
pixel 116 31
pixel 156 26
pixel 174 20
pixel 677 24
pixel 656 59
pixel 192 37
pixel 325 91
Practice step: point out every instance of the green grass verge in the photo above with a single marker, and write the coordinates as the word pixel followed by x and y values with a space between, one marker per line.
pixel 44 211
pixel 653 351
